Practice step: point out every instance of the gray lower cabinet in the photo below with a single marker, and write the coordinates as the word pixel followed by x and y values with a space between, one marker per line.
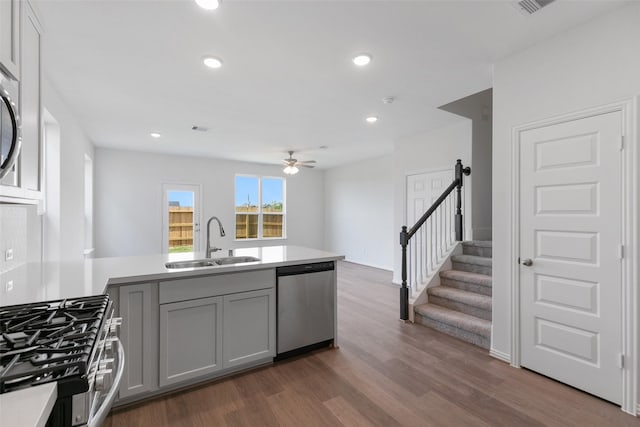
pixel 138 307
pixel 190 339
pixel 248 327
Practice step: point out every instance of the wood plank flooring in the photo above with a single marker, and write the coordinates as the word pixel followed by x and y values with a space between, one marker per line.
pixel 385 373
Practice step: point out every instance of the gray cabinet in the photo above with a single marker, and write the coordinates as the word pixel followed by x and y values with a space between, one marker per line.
pixel 138 307
pixel 190 339
pixel 9 37
pixel 248 327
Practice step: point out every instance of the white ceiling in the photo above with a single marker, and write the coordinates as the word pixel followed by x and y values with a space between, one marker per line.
pixel 127 68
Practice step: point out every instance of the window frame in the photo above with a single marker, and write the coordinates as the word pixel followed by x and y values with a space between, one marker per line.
pixel 260 214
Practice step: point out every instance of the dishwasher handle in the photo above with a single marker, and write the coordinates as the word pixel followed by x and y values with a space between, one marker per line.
pixel 315 267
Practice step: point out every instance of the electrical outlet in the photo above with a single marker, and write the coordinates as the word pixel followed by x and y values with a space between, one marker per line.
pixel 9 286
pixel 8 255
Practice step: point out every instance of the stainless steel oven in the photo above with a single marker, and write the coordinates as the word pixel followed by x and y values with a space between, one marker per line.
pixel 9 124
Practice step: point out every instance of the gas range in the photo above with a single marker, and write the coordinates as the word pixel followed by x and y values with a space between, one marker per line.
pixel 72 342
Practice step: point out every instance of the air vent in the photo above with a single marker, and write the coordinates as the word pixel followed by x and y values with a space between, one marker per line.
pixel 529 7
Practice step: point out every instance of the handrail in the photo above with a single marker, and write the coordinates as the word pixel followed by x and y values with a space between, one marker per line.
pixel 406 235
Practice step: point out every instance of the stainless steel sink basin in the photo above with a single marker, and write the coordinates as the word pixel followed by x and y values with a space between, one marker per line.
pixel 210 262
pixel 198 263
pixel 234 260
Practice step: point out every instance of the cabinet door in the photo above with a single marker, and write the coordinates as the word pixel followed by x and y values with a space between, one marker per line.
pixel 9 37
pixel 249 330
pixel 30 106
pixel 190 339
pixel 139 335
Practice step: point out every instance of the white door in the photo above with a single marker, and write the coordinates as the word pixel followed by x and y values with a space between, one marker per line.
pixel 570 216
pixel 422 190
pixel 180 218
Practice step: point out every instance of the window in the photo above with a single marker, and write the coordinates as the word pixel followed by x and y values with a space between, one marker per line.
pixel 260 207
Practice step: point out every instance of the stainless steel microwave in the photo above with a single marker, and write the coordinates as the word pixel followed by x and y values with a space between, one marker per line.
pixel 10 139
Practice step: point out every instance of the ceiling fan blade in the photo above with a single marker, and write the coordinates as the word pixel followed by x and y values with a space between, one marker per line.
pixel 305 166
pixel 307 161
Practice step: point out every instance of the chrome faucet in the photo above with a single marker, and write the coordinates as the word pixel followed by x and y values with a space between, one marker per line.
pixel 209 248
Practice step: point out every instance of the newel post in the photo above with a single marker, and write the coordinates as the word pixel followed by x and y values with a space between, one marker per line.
pixel 460 173
pixel 404 290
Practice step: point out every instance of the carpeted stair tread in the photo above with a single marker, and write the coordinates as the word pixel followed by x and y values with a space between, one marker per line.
pixel 472 259
pixel 478 243
pixel 469 298
pixel 465 276
pixel 456 319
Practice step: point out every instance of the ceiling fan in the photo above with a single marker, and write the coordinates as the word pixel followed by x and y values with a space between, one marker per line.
pixel 292 164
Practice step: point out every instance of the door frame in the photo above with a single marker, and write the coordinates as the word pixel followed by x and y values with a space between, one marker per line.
pixel 197 216
pixel 630 227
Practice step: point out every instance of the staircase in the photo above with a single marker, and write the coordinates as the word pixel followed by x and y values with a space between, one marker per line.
pixel 461 305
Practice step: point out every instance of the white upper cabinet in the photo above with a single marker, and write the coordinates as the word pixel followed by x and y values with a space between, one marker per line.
pixel 20 59
pixel 10 37
pixel 30 100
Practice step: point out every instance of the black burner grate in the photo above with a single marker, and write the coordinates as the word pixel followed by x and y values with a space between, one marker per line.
pixel 49 341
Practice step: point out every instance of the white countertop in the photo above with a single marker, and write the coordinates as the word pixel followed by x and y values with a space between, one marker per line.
pixel 33 282
pixel 29 406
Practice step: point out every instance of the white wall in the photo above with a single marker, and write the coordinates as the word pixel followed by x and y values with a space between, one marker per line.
pixel 591 65
pixel 359 212
pixel 434 150
pixel 128 200
pixel 74 145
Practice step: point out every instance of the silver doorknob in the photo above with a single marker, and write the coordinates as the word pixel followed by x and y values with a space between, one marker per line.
pixel 527 262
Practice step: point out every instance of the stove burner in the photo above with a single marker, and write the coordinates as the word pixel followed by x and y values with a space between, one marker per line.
pixel 49 341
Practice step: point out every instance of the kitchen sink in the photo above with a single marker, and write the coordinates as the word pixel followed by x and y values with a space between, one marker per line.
pixel 210 262
pixel 234 260
pixel 191 264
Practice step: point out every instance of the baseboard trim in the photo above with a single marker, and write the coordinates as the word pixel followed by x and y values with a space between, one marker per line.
pixel 368 264
pixel 638 410
pixel 500 355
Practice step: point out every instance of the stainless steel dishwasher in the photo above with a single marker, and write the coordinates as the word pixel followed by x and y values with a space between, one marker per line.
pixel 306 304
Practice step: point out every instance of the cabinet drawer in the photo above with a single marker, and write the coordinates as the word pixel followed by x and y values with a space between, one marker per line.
pixel 219 284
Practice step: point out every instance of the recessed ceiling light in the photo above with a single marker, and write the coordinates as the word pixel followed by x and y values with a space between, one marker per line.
pixel 362 59
pixel 212 62
pixel 208 4
pixel 371 119
pixel 155 135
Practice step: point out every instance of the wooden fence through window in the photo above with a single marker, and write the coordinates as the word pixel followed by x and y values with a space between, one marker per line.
pixel 180 226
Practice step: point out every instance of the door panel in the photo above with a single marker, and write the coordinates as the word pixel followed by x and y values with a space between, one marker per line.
pixel 570 210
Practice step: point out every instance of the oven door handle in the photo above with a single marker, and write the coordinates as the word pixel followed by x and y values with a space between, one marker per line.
pixel 95 420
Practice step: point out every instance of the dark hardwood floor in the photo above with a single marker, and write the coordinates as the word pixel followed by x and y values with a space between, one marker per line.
pixel 385 373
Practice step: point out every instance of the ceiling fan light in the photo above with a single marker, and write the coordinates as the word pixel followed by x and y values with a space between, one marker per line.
pixel 290 170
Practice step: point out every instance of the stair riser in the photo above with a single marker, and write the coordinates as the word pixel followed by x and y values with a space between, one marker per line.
pixel 472 268
pixel 477 251
pixel 469 337
pixel 461 307
pixel 465 286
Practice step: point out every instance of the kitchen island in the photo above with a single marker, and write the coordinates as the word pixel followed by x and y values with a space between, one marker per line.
pixel 180 326
pixel 32 282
